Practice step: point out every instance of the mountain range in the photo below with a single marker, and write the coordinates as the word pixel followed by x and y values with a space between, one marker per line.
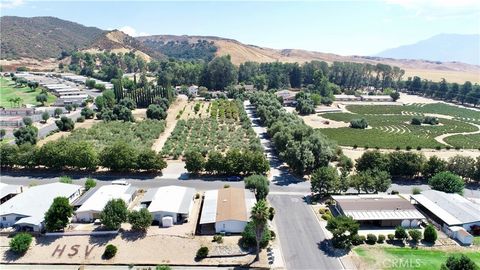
pixel 38 42
pixel 443 47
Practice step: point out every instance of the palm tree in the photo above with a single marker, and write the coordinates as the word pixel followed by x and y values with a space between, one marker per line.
pixel 259 216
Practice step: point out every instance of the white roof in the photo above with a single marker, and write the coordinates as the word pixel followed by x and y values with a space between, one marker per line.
pixel 384 215
pixel 250 201
pixel 345 96
pixel 74 97
pixel 173 199
pixel 376 97
pixel 452 208
pixel 99 199
pixel 35 201
pixel 6 189
pixel 209 210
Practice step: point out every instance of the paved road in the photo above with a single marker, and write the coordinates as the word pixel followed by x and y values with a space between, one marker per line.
pixel 43 131
pixel 300 234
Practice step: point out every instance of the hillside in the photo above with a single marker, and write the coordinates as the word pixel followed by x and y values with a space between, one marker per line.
pixel 42 37
pixel 239 52
pixel 116 41
pixel 444 47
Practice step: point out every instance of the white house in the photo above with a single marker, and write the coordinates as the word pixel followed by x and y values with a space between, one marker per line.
pixel 193 90
pixel 379 98
pixel 93 206
pixel 9 191
pixel 346 98
pixel 26 211
pixel 450 209
pixel 170 201
pixel 226 210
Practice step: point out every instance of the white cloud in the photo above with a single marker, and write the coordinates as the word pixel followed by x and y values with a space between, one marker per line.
pixel 131 31
pixel 11 3
pixel 432 9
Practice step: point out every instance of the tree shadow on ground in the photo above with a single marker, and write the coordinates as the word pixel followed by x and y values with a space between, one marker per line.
pixel 40 173
pixel 101 240
pixel 10 256
pixel 131 236
pixel 44 240
pixel 326 246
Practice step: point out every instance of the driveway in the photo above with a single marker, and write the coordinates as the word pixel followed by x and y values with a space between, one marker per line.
pixel 300 234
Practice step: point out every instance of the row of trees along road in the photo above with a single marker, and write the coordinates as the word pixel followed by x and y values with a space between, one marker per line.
pixel 374 170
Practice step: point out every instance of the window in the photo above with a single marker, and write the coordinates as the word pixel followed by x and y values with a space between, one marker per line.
pixel 4 218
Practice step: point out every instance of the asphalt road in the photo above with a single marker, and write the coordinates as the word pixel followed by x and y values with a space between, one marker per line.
pixel 300 235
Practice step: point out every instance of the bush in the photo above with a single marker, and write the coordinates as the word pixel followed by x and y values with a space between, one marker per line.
pixel 359 123
pixel 90 183
pixel 321 211
pixel 356 240
pixel 20 243
pixel 87 113
pixel 416 121
pixel 394 192
pixel 218 238
pixel 447 182
pixel 419 148
pixel 163 267
pixel 110 251
pixel 408 148
pixel 381 239
pixel 65 179
pixel 248 239
pixel 371 239
pixel 391 237
pixel 140 220
pixel 202 253
pixel 65 124
pixel 438 148
pixel 448 147
pixel 355 146
pixel 416 191
pixel 327 216
pixel 430 120
pixel 397 148
pixel 400 233
pixel 416 235
pixel 430 234
pixel 80 119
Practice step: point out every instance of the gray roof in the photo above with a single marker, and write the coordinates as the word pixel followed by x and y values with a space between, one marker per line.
pixel 78 202
pixel 35 201
pixel 452 208
pixel 149 195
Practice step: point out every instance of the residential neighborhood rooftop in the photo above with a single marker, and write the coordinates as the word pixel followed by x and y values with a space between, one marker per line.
pixel 174 199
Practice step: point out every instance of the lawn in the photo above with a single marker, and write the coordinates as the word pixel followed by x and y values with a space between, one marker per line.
pixel 226 127
pixel 476 241
pixel 394 258
pixel 8 90
pixel 391 128
pixel 139 134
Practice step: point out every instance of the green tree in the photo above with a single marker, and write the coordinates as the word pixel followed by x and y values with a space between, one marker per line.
pixel 110 251
pixel 27 134
pixel 114 214
pixel 447 182
pixel 58 215
pixel 20 242
pixel 221 72
pixel 57 112
pixel 259 185
pixel 65 124
pixel 433 166
pixel 406 164
pixel 90 183
pixel 214 164
pixel 155 111
pixel 324 181
pixel 149 160
pixel 459 262
pixel 371 181
pixel 120 156
pixel 42 98
pixel 463 166
pixel 430 234
pixel 140 220
pixel 45 116
pixel 27 121
pixel 343 229
pixel 373 160
pixel 87 113
pixel 259 217
pixel 65 179
pixel 194 162
pixel 3 132
pixel 69 108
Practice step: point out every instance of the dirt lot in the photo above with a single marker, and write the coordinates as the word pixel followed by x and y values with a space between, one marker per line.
pixel 171 121
pixel 133 248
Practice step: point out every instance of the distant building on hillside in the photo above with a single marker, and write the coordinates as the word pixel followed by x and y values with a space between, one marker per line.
pixel 287 96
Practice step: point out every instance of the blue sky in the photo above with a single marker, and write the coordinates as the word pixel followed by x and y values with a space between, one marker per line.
pixel 343 27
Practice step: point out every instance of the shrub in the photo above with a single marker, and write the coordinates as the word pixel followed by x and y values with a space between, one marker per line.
pixel 458 147
pixel 321 211
pixel 140 220
pixel 90 183
pixel 356 240
pixel 65 124
pixel 110 251
pixel 371 239
pixel 80 119
pixel 218 238
pixel 163 267
pixel 408 148
pixel 447 182
pixel 430 234
pixel 419 148
pixel 394 192
pixel 355 146
pixel 248 239
pixel 391 237
pixel 202 253
pixel 397 148
pixel 362 238
pixel 226 186
pixel 400 233
pixel 20 243
pixel 327 216
pixel 359 123
pixel 448 147
pixel 197 196
pixel 381 239
pixel 416 191
pixel 65 179
pixel 87 113
pixel 438 148
pixel 416 121
pixel 416 235
pixel 430 120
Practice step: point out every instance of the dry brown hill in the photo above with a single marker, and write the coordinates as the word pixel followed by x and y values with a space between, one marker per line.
pixel 239 52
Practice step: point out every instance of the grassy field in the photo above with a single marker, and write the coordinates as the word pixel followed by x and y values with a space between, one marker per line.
pixel 391 128
pixel 226 127
pixel 394 258
pixel 9 90
pixel 140 135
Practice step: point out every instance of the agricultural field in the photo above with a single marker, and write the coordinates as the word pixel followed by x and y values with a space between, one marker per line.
pixel 223 125
pixel 139 134
pixel 394 258
pixel 389 126
pixel 8 92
